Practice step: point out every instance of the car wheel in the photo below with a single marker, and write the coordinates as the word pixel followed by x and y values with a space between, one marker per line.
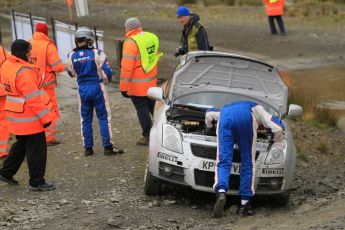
pixel 152 187
pixel 281 200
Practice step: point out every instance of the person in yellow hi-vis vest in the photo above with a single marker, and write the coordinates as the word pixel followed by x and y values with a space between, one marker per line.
pixel 139 72
pixel 275 11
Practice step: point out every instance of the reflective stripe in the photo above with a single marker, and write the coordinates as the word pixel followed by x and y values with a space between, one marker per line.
pixel 3 150
pixel 34 94
pixel 20 120
pixel 3 142
pixel 49 83
pixel 131 57
pixel 21 70
pixel 15 99
pixel 143 80
pixel 137 80
pixel 125 79
pixel 28 119
pixel 44 112
pixel 56 63
pixel 50 135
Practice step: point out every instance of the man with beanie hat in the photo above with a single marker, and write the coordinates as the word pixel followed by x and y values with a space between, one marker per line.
pixel 194 36
pixel 139 72
pixel 28 113
pixel 45 56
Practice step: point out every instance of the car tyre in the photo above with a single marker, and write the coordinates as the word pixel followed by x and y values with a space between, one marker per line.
pixel 281 200
pixel 152 187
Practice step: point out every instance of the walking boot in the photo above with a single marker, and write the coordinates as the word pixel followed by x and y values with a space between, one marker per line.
pixel 245 210
pixel 143 141
pixel 88 151
pixel 218 210
pixel 43 187
pixel 9 180
pixel 109 151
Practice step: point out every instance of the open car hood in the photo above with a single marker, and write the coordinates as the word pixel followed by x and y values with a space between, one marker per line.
pixel 203 71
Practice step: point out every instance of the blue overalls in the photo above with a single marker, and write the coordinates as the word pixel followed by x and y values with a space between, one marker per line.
pixel 237 124
pixel 91 68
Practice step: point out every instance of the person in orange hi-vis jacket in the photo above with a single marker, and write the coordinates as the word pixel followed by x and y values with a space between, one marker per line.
pixel 28 112
pixel 45 56
pixel 4 134
pixel 139 72
pixel 275 11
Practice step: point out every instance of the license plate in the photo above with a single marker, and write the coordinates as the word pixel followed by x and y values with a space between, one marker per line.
pixel 273 171
pixel 211 166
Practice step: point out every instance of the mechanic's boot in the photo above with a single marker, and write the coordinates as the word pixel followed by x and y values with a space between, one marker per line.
pixel 43 187
pixel 245 210
pixel 9 180
pixel 218 210
pixel 109 151
pixel 143 141
pixel 88 151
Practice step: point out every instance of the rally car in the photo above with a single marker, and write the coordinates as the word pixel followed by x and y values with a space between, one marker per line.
pixel 183 151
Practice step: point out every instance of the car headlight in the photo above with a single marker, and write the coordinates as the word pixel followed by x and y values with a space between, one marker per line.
pixel 172 139
pixel 277 153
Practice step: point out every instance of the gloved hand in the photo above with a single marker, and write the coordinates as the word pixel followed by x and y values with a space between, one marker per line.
pixel 124 94
pixel 46 125
pixel 211 118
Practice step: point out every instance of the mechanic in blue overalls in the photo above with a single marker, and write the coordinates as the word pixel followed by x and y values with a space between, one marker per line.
pixel 90 67
pixel 238 122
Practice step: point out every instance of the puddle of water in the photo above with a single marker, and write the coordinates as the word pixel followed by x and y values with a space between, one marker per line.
pixel 321 87
pixel 321 93
pixel 322 84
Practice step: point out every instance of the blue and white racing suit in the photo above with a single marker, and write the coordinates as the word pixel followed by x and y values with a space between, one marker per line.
pixel 90 68
pixel 238 122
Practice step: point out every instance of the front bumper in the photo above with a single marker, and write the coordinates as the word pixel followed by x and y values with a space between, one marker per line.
pixel 195 169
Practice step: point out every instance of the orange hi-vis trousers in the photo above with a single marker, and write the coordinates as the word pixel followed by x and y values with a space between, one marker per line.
pixel 4 134
pixel 51 130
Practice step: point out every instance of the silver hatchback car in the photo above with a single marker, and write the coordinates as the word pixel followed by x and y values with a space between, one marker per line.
pixel 183 150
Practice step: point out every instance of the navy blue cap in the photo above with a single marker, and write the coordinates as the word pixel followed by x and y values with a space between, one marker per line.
pixel 182 11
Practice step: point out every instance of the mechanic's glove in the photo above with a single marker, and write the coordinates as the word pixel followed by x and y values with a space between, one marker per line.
pixel 46 125
pixel 211 118
pixel 278 137
pixel 124 94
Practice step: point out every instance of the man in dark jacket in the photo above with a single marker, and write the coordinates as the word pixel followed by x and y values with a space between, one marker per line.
pixel 194 36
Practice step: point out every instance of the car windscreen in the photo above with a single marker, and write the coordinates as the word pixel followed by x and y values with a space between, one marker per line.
pixel 216 100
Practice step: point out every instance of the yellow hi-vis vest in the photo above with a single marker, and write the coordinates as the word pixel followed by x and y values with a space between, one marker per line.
pixel 148 45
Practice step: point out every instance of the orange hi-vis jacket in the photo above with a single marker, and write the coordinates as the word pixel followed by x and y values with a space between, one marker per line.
pixel 3 56
pixel 133 79
pixel 27 107
pixel 274 7
pixel 45 56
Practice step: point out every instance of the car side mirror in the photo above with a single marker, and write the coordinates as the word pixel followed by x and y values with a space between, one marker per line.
pixel 155 93
pixel 295 111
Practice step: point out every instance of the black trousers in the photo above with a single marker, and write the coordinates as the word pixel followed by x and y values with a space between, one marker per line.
pixel 34 147
pixel 144 107
pixel 280 22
